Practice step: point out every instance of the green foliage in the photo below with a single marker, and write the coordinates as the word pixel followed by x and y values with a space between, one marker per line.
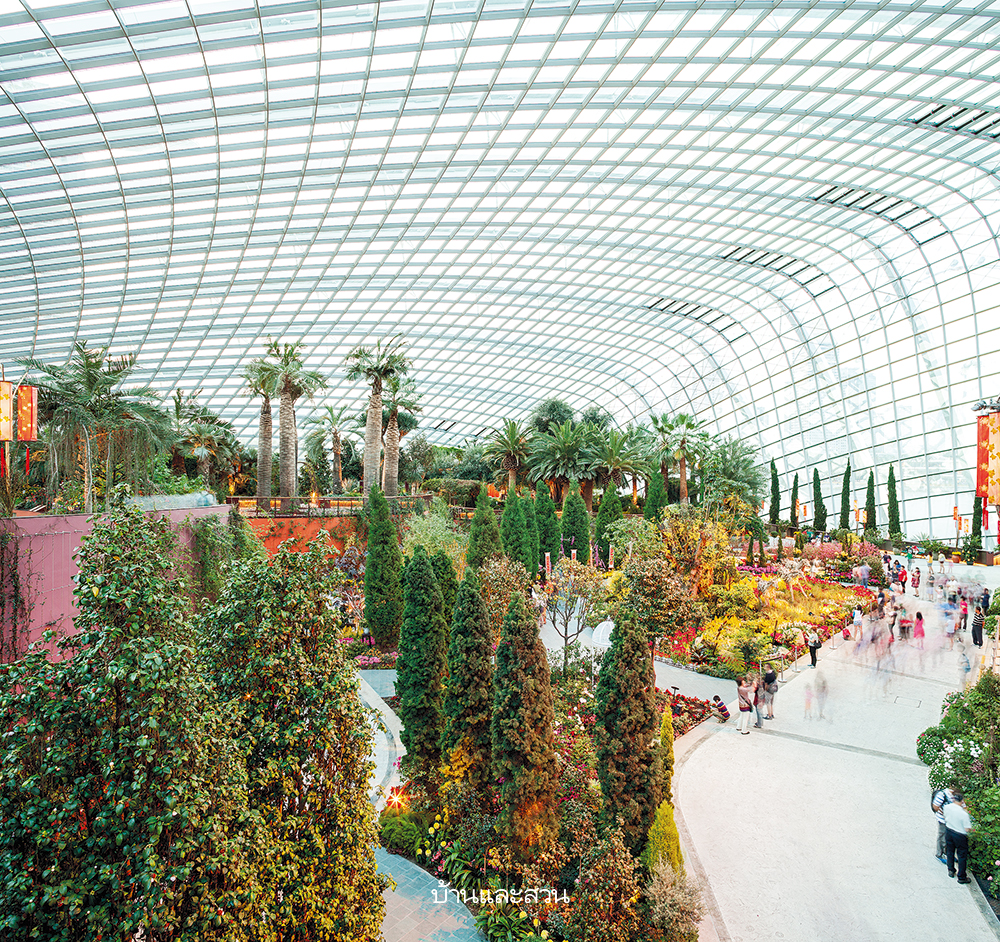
pixel 401 833
pixel 468 701
pixel 608 513
pixel 845 500
pixel 499 579
pixel 634 535
pixel 973 543
pixel 667 753
pixel 774 510
pixel 984 841
pixel 447 581
pixel 422 664
pixel 460 492
pixel 575 527
pixel 218 545
pixel 15 594
pixel 514 533
pixel 484 534
pixel 662 599
pixel 794 507
pixel 534 543
pixel 872 522
pixel 549 533
pixel 436 532
pixel 664 843
pixel 522 735
pixel 123 789
pixel 656 499
pixel 675 904
pixel 819 508
pixel 895 528
pixel 383 569
pixel 271 645
pixel 628 758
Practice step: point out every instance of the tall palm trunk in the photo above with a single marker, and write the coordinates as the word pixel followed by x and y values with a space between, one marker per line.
pixel 635 489
pixel 391 487
pixel 338 468
pixel 286 449
pixel 511 479
pixel 373 436
pixel 684 480
pixel 264 456
pixel 88 474
pixel 587 493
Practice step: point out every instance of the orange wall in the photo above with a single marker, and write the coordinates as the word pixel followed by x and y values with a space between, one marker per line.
pixel 273 531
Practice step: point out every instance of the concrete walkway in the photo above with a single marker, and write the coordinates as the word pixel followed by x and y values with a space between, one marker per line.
pixel 819 829
pixel 412 912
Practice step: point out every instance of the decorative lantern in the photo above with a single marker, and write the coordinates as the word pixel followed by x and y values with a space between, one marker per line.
pixel 6 411
pixel 27 413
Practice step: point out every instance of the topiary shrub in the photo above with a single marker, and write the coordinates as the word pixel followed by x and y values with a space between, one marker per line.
pixel 383 571
pixel 401 834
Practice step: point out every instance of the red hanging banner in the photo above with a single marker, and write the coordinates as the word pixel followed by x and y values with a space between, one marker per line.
pixel 992 494
pixel 982 455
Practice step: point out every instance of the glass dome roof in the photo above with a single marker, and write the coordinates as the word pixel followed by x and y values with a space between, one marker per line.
pixel 780 217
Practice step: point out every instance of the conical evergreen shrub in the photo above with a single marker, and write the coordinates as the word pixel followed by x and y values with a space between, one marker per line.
pixel 819 508
pixel 468 702
pixel 484 534
pixel 575 527
pixel 872 524
pixel 895 529
pixel 774 510
pixel 383 572
pixel 522 732
pixel 609 511
pixel 667 753
pixel 628 756
pixel 531 527
pixel 845 499
pixel 549 532
pixel 421 668
pixel 656 498
pixel 444 575
pixel 514 531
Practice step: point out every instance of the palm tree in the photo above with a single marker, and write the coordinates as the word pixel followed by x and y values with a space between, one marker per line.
pixel 261 379
pixel 561 456
pixel 294 380
pixel 639 439
pixel 207 444
pixel 331 421
pixel 375 365
pixel 508 449
pixel 83 404
pixel 731 469
pixel 615 456
pixel 403 400
pixel 681 438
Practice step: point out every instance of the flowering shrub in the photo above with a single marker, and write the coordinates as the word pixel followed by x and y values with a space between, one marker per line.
pixel 376 660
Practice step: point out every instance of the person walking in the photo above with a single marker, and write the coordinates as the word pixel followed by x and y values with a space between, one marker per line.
pixel 957 825
pixel 758 702
pixel 770 689
pixel 915 582
pixel 939 799
pixel 745 695
pixel 822 692
pixel 985 603
pixel 814 645
pixel 964 668
pixel 918 630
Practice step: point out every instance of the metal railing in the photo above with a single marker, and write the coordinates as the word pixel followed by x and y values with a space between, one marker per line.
pixel 324 506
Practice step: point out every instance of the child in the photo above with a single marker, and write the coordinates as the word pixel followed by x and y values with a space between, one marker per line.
pixel 720 709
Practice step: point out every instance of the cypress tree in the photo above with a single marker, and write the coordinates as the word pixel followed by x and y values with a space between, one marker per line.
pixel 870 503
pixel 514 531
pixel 774 511
pixel 383 569
pixel 819 515
pixel 667 752
pixel 975 541
pixel 484 534
pixel 531 527
pixel 444 575
pixel 609 511
pixel 845 499
pixel 421 667
pixel 895 529
pixel 468 701
pixel 628 757
pixel 521 731
pixel 549 533
pixel 656 499
pixel 575 526
pixel 794 518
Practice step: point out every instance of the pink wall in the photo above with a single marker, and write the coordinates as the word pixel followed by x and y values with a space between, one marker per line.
pixel 46 545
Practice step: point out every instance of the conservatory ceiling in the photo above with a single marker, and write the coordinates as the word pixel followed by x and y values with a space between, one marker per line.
pixel 779 216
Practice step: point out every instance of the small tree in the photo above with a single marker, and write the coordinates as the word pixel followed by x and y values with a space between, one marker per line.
pixel 606 905
pixel 895 529
pixel 608 513
pixel 871 526
pixel 774 511
pixel 667 752
pixel 521 732
pixel 575 527
pixel 845 500
pixel 656 499
pixel 975 542
pixel 573 588
pixel 421 668
pixel 794 518
pixel 383 568
pixel 531 527
pixel 500 579
pixel 484 534
pixel 444 575
pixel 549 534
pixel 819 508
pixel 514 532
pixel 664 842
pixel 628 758
pixel 468 702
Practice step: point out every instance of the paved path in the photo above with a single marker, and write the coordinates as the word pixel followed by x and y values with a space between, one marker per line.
pixel 412 913
pixel 820 829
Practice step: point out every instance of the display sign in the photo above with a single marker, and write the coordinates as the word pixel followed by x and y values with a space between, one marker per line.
pixel 988 458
